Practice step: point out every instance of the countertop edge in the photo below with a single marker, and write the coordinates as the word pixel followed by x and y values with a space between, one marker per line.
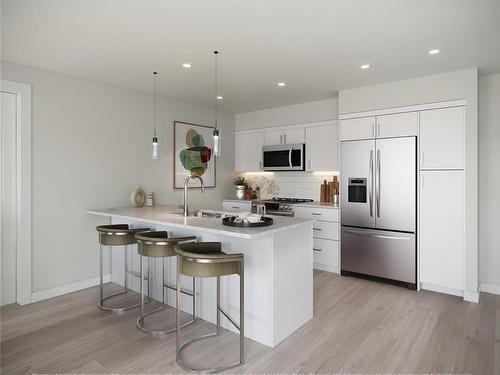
pixel 208 230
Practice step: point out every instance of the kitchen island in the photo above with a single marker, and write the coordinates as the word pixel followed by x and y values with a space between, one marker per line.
pixel 278 268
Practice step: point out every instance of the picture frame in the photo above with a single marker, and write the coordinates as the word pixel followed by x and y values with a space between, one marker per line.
pixel 193 154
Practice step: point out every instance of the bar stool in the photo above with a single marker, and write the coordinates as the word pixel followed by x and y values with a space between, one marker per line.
pixel 158 245
pixel 206 259
pixel 116 235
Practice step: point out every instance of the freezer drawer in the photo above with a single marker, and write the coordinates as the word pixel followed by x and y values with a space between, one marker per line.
pixel 390 255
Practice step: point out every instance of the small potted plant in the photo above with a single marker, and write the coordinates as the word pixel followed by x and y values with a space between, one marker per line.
pixel 241 185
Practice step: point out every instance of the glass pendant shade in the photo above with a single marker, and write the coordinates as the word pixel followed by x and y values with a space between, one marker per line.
pixel 156 155
pixel 217 150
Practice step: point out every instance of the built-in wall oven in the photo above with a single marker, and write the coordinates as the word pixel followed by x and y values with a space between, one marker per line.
pixel 284 157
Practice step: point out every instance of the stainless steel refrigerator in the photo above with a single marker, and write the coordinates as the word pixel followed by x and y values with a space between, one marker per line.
pixel 378 209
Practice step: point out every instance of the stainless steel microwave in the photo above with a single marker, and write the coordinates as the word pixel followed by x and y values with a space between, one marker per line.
pixel 284 157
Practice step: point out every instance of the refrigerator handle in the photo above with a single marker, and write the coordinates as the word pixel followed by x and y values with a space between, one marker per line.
pixel 370 183
pixel 384 236
pixel 377 193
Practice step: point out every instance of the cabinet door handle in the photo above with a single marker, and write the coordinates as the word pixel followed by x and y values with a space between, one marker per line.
pixel 235 207
pixel 260 164
pixel 309 163
pixel 316 214
pixel 422 163
pixel 317 229
pixel 284 137
pixel 315 249
pixel 378 130
pixel 373 130
pixel 281 139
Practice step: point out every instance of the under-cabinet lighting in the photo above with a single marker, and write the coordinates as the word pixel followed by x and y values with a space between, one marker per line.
pixel 259 173
pixel 326 173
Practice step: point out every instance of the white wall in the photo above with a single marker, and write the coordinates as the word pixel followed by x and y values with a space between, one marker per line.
pixel 489 179
pixel 461 84
pixel 321 110
pixel 91 147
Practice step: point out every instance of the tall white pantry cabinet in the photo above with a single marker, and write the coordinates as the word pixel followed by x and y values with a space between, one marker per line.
pixel 440 131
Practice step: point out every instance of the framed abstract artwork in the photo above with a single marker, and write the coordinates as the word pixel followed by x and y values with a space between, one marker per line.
pixel 193 154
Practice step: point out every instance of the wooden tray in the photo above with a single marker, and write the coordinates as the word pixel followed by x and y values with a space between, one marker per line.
pixel 229 221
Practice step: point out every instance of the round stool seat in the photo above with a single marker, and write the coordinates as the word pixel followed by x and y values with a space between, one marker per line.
pixel 118 234
pixel 206 259
pixel 157 244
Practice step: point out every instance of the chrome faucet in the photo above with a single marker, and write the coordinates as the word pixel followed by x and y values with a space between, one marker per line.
pixel 186 182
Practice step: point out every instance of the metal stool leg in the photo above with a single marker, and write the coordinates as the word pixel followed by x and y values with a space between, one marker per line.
pixel 240 327
pixel 140 321
pixel 101 287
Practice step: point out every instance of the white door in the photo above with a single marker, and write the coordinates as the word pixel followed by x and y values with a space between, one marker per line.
pixel 322 148
pixel 292 136
pixel 8 198
pixel 248 152
pixel 442 142
pixel 357 128
pixel 397 125
pixel 273 137
pixel 441 232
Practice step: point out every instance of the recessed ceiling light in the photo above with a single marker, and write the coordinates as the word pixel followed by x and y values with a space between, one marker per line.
pixel 433 52
pixel 186 65
pixel 281 84
pixel 365 66
pixel 220 97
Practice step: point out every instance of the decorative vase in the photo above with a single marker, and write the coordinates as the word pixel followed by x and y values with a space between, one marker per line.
pixel 240 191
pixel 137 197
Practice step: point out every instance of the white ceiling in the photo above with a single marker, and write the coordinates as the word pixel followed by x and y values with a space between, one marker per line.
pixel 315 46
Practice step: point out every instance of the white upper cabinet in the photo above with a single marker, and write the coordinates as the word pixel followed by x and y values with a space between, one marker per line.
pixel 295 135
pixel 248 152
pixel 273 137
pixel 322 148
pixel 442 142
pixel 283 137
pixel 397 125
pixel 357 128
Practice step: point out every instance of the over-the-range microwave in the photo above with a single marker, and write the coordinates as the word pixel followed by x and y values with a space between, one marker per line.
pixel 284 157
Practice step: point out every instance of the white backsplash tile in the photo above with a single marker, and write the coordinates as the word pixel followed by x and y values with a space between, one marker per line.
pixel 291 184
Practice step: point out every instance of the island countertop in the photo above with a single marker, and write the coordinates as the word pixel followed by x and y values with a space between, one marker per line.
pixel 171 216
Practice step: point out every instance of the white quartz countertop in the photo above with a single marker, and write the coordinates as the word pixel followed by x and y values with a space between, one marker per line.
pixel 317 205
pixel 171 216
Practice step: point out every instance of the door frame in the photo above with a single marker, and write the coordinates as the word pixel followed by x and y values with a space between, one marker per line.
pixel 23 188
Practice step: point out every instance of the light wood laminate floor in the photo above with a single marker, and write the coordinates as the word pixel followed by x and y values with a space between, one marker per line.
pixel 359 326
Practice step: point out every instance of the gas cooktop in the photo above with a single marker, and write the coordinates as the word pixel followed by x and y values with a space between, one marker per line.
pixel 291 200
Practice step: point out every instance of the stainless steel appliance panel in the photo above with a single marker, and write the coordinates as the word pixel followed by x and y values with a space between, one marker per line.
pixel 386 254
pixel 395 184
pixel 357 167
pixel 284 157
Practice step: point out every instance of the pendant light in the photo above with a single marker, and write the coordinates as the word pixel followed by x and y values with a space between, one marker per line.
pixel 216 132
pixel 155 138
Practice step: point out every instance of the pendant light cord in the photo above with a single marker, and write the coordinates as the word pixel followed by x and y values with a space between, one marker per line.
pixel 154 104
pixel 216 91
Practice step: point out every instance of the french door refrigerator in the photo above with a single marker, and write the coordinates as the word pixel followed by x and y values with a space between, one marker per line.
pixel 378 209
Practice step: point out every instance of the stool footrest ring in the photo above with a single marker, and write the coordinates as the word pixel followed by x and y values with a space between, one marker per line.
pixel 141 325
pixel 100 305
pixel 201 370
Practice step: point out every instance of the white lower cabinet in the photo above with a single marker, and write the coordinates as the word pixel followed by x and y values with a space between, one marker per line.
pixel 326 253
pixel 236 206
pixel 441 232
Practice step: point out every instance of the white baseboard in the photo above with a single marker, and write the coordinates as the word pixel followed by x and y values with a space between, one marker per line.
pixel 324 267
pixel 442 289
pixel 471 297
pixel 69 288
pixel 490 288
